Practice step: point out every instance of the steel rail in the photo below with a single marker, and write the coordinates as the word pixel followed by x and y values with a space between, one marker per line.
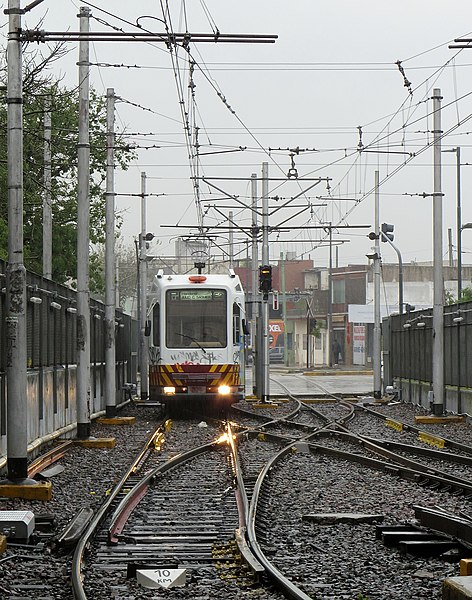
pixel 399 466
pixel 243 509
pixel 289 588
pixel 49 458
pixel 133 497
pixel 76 579
pixel 408 427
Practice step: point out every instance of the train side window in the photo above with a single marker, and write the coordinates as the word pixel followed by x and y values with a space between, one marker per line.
pixel 156 332
pixel 236 323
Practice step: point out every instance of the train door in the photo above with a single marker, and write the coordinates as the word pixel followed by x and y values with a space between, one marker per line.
pixel 239 340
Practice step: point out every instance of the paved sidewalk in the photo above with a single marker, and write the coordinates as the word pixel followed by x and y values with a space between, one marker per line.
pixel 318 383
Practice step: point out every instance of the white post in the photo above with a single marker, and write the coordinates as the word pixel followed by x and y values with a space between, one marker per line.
pixel 254 295
pixel 265 394
pixel 110 346
pixel 438 284
pixel 376 272
pixel 143 295
pixel 231 239
pixel 47 207
pixel 15 324
pixel 83 223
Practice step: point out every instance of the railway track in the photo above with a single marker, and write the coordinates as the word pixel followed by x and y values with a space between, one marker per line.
pixel 241 515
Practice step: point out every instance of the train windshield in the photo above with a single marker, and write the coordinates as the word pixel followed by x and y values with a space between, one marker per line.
pixel 196 318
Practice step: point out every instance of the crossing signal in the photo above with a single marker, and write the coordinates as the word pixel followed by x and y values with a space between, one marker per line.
pixel 265 279
pixel 387 232
pixel 275 300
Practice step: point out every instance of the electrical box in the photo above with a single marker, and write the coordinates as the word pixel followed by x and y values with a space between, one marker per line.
pixel 17 524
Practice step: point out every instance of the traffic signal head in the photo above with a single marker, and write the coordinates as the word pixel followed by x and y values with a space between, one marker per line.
pixel 387 232
pixel 265 279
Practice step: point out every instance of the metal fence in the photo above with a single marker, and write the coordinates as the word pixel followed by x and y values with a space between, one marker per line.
pixel 410 346
pixel 52 329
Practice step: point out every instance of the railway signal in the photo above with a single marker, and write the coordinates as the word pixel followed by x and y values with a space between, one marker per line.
pixel 265 279
pixel 387 232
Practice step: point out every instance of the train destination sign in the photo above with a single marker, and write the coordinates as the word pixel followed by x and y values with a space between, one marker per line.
pixel 197 295
pixel 165 578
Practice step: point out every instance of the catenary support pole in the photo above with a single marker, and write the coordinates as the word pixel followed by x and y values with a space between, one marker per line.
pixel 265 395
pixel 144 354
pixel 329 324
pixel 449 247
pixel 377 333
pixel 47 206
pixel 459 224
pixel 438 280
pixel 284 306
pixel 110 262
pixel 254 290
pixel 15 324
pixel 231 239
pixel 83 222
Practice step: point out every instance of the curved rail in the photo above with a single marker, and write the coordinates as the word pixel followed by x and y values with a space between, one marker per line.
pixel 76 579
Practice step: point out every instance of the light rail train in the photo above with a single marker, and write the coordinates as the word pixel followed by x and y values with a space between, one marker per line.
pixel 197 340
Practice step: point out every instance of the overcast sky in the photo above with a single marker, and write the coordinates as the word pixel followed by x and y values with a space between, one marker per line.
pixel 332 70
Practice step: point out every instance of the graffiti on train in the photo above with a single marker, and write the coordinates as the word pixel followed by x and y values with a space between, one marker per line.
pixel 195 357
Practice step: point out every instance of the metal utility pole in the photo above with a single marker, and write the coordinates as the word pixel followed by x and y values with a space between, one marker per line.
pixel 284 307
pixel 377 349
pixel 110 262
pixel 265 393
pixel 329 323
pixel 15 325
pixel 83 223
pixel 47 207
pixel 231 241
pixel 438 290
pixel 144 355
pixel 254 294
pixel 459 224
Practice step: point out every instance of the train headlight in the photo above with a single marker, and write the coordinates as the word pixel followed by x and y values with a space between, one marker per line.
pixel 169 391
pixel 224 390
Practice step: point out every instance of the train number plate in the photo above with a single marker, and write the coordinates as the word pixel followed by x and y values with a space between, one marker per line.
pixel 197 389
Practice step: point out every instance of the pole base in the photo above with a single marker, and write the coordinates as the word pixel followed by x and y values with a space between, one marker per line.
pixel 437 409
pixel 83 431
pixel 111 411
pixel 20 482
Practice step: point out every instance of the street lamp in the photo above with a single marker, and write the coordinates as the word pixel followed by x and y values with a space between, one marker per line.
pixel 459 226
pixel 459 259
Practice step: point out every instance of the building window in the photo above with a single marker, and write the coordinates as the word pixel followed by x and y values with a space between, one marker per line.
pixel 289 337
pixel 339 291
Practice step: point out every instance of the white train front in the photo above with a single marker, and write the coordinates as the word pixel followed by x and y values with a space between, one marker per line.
pixel 196 345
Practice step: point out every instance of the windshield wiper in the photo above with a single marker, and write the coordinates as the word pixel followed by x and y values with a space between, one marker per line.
pixel 189 337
